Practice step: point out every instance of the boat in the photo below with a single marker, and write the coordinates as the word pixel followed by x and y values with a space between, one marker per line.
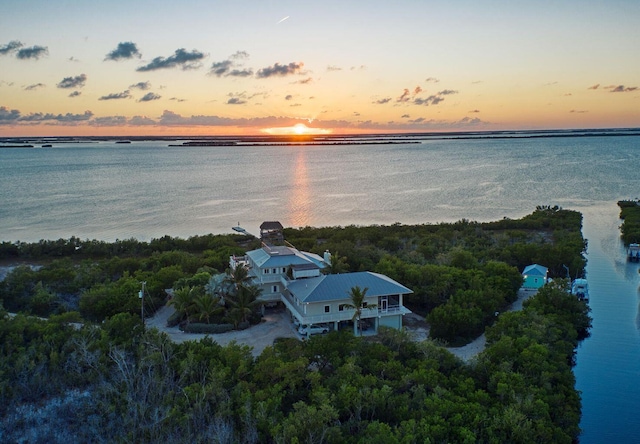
pixel 47 145
pixel 580 289
pixel 633 253
pixel 239 229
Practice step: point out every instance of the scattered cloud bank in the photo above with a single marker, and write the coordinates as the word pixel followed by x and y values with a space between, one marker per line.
pixel 125 50
pixel 180 58
pixel 172 119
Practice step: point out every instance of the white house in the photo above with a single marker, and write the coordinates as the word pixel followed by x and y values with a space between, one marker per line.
pixel 294 278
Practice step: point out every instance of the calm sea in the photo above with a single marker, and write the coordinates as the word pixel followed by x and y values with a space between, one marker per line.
pixel 146 190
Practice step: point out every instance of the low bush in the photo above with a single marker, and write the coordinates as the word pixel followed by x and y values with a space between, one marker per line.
pixel 196 327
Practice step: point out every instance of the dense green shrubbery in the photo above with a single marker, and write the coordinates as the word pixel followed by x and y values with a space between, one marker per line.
pixel 630 215
pixel 120 383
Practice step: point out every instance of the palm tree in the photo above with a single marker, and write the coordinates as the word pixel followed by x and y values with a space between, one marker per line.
pixel 182 301
pixel 244 303
pixel 237 276
pixel 357 303
pixel 206 306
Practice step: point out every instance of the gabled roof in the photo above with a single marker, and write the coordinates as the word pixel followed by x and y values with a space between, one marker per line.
pixel 535 270
pixel 335 287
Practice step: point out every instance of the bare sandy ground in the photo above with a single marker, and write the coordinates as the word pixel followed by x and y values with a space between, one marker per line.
pixel 276 324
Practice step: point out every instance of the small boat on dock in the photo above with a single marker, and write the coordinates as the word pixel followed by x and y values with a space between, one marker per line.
pixel 580 289
pixel 633 253
pixel 239 229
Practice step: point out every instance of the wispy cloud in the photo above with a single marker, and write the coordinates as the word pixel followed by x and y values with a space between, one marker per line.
pixel 278 70
pixel 149 97
pixel 431 80
pixel 181 58
pixel 73 82
pixel 431 100
pixel 236 101
pixel 578 111
pixel 333 68
pixel 34 86
pixel 405 96
pixel 125 50
pixel 75 94
pixel 383 101
pixel 144 86
pixel 231 67
pixel 116 96
pixel 621 88
pixel 596 86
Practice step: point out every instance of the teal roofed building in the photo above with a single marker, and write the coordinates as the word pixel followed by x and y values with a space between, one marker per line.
pixel 535 276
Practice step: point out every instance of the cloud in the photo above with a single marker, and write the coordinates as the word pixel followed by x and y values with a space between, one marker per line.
pixel 8 116
pixel 65 118
pixel 405 116
pixel 333 68
pixel 596 86
pixel 304 81
pixel 33 52
pixel 621 88
pixel 474 111
pixel 279 70
pixel 431 100
pixel 109 121
pixel 12 46
pixel 34 86
pixel 417 90
pixel 288 97
pixel 239 55
pixel 177 99
pixel 220 68
pixel 404 97
pixel 431 80
pixel 447 92
pixel 383 101
pixel 125 50
pixel 236 101
pixel 73 82
pixel 181 57
pixel 578 111
pixel 149 97
pixel 142 121
pixel 141 85
pixel 75 94
pixel 115 96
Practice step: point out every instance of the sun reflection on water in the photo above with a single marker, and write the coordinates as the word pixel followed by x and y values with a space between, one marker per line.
pixel 300 213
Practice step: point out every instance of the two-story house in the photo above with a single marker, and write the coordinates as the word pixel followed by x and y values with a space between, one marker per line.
pixel 295 279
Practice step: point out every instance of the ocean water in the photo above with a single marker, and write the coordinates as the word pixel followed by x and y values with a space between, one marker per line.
pixel 147 190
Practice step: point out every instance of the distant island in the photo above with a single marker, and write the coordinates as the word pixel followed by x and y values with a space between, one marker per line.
pixel 317 139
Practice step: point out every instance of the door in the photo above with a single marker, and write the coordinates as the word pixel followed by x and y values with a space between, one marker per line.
pixel 383 304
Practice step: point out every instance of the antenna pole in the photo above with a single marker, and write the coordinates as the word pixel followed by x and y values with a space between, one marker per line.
pixel 141 296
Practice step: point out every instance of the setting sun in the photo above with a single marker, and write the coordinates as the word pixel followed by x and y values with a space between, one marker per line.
pixel 299 129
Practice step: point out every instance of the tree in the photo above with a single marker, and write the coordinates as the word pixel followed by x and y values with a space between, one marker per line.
pixel 237 276
pixel 338 264
pixel 357 303
pixel 206 306
pixel 183 301
pixel 244 303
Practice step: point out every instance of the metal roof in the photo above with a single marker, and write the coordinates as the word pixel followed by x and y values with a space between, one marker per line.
pixel 535 270
pixel 281 256
pixel 334 287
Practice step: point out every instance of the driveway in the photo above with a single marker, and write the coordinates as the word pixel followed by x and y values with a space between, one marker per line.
pixel 275 324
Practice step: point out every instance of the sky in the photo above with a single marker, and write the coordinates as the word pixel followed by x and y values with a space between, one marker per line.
pixel 168 68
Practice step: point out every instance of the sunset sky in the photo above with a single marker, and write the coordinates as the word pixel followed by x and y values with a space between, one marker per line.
pixel 196 67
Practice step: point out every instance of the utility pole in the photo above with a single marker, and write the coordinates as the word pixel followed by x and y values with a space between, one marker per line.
pixel 141 296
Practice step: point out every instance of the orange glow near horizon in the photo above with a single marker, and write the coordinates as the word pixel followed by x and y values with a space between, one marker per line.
pixel 299 129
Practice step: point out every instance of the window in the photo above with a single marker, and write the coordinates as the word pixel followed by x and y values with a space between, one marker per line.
pixel 274 289
pixel 284 270
pixel 327 308
pixel 265 271
pixel 274 271
pixel 364 305
pixel 341 307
